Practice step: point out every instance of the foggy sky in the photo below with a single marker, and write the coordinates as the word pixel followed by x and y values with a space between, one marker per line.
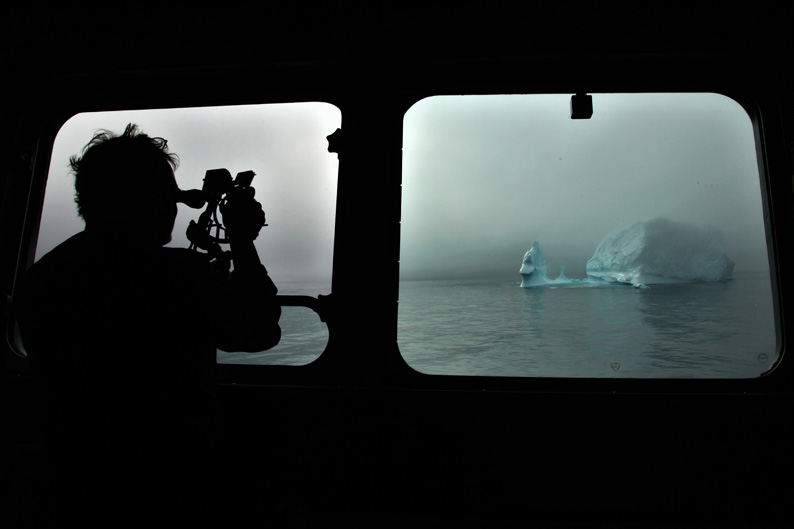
pixel 284 144
pixel 485 176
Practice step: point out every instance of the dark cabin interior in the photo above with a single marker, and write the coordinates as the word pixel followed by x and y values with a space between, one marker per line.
pixel 361 437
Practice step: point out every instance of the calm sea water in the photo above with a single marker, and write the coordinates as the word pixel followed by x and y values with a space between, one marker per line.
pixel 496 328
pixel 711 330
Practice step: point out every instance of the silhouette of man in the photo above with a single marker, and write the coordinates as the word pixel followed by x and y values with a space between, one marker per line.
pixel 124 331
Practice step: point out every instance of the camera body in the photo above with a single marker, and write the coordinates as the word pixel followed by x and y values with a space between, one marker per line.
pixel 218 183
pixel 209 233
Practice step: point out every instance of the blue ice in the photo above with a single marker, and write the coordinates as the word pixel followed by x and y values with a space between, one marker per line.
pixel 644 253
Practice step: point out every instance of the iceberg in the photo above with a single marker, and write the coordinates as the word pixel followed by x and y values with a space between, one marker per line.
pixel 533 270
pixel 660 251
pixel 645 253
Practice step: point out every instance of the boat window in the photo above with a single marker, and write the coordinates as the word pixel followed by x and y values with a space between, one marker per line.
pixel 296 178
pixel 630 243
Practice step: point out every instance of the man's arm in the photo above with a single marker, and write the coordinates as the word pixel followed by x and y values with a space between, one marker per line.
pixel 253 310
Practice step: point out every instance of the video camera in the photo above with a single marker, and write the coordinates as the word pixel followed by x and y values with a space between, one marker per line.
pixel 208 233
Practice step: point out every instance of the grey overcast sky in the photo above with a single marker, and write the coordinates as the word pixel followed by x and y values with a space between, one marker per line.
pixel 284 144
pixel 485 176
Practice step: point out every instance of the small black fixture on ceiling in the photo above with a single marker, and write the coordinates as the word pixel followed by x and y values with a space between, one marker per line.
pixel 581 106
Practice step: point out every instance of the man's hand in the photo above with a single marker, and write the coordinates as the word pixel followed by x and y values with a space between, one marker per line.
pixel 243 216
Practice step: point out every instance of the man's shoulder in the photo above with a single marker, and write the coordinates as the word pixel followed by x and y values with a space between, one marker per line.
pixel 83 257
pixel 77 243
pixel 68 254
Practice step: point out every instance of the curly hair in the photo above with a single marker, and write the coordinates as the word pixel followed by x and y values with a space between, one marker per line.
pixel 113 168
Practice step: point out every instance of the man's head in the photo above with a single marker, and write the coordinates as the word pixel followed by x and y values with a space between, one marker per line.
pixel 126 183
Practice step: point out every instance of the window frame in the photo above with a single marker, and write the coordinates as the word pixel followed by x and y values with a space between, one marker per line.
pixel 753 107
pixel 763 109
pixel 363 348
pixel 52 118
